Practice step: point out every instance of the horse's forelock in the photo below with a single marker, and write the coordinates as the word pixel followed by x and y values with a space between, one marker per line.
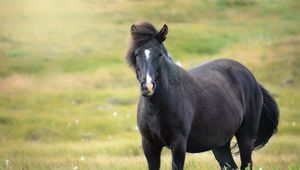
pixel 141 34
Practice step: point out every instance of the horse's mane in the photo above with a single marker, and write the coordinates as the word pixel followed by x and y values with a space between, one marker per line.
pixel 141 34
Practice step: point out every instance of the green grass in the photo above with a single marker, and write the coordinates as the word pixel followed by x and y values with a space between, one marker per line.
pixel 68 99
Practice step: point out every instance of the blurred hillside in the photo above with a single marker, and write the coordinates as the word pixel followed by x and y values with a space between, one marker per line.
pixel 68 99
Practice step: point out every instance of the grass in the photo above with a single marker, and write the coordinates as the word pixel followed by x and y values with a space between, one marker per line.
pixel 68 99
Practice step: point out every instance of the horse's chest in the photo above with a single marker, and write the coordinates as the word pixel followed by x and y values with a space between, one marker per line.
pixel 158 129
pixel 156 126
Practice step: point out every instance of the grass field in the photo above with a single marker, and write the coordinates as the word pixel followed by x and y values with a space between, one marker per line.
pixel 68 99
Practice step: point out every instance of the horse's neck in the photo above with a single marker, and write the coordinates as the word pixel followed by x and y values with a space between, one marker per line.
pixel 171 85
pixel 171 78
pixel 170 75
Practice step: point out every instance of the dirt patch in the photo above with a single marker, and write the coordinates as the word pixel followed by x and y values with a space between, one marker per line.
pixel 15 83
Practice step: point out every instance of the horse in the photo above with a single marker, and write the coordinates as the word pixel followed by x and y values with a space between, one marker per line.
pixel 197 110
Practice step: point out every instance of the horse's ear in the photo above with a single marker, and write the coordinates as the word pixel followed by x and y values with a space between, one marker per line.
pixel 161 35
pixel 133 28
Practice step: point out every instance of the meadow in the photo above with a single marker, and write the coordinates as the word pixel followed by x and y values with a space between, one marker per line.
pixel 68 99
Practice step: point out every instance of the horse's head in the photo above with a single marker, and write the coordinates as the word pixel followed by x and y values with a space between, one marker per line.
pixel 146 55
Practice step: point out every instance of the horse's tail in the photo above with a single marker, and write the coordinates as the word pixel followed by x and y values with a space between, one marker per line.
pixel 268 120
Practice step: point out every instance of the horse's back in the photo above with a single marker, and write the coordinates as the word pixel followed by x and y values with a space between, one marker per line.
pixel 228 76
pixel 220 65
pixel 224 73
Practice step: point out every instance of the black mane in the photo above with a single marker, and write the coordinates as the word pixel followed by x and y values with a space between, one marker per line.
pixel 141 34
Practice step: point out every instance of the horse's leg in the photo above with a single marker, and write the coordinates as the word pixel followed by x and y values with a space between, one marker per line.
pixel 224 157
pixel 178 148
pixel 152 153
pixel 245 144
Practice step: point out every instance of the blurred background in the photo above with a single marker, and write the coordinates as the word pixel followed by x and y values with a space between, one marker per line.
pixel 68 99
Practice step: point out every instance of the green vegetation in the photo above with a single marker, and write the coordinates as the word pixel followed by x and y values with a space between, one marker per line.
pixel 68 99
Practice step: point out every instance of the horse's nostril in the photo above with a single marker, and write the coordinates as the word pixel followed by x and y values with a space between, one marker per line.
pixel 143 85
pixel 154 85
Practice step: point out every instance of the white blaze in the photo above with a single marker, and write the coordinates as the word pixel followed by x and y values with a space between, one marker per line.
pixel 148 77
pixel 147 53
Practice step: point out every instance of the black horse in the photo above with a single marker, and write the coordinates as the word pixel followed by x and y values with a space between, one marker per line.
pixel 200 109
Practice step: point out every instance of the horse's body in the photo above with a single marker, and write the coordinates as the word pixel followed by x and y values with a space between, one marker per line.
pixel 202 109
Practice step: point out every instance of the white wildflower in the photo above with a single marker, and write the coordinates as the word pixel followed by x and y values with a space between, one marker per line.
pixel 178 63
pixel 7 162
pixel 136 128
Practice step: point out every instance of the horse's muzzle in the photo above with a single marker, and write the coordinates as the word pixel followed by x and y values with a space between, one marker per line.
pixel 147 89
